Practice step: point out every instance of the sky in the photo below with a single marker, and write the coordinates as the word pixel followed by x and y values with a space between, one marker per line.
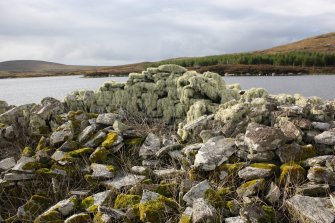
pixel 111 32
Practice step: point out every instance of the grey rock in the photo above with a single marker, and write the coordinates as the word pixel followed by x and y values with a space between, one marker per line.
pixel 86 133
pixel 327 137
pixel 203 211
pixel 151 145
pixel 311 209
pixel 99 199
pixel 292 152
pixel 107 118
pixel 151 163
pixel 251 173
pixel 18 176
pixel 192 149
pixel 110 215
pixel 252 189
pixel 149 196
pixel 332 199
pixel 22 162
pixel 7 163
pixel 58 155
pixel 319 174
pixel 141 170
pixel 120 127
pixel 197 191
pixel 313 190
pixel 64 132
pixel 262 138
pixel 273 194
pixel 254 213
pixel 9 132
pixel 291 131
pixel 120 182
pixel 235 220
pixel 69 146
pixel 65 207
pixel 317 161
pixel 323 126
pixel 101 171
pixel 166 149
pixel 261 156
pixel 214 152
pixel 167 173
pixel 96 140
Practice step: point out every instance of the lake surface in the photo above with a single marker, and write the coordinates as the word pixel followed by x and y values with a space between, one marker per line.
pixel 33 90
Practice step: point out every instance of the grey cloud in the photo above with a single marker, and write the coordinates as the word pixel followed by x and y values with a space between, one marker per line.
pixel 108 32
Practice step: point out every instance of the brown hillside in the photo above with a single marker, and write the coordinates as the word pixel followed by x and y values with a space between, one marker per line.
pixel 323 44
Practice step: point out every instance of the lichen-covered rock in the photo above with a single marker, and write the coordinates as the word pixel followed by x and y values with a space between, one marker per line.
pixel 274 193
pixel 120 182
pixel 257 170
pixel 251 188
pixel 107 118
pixel 311 209
pixel 313 190
pixel 125 201
pixel 203 211
pixel 92 203
pixel 86 133
pixel 291 131
pixel 258 213
pixel 63 133
pixel 262 138
pixel 214 152
pixel 110 215
pixel 101 171
pixel 295 153
pixel 317 161
pixel 151 145
pixel 198 191
pixel 292 173
pixel 155 208
pixel 319 174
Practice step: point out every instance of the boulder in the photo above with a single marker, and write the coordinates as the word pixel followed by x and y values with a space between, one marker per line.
pixel 151 146
pixel 294 152
pixel 257 170
pixel 64 132
pixel 107 118
pixel 262 138
pixel 320 174
pixel 311 209
pixel 327 137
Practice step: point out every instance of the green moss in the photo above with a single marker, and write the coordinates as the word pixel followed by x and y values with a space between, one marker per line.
pixel 224 191
pixel 99 155
pixel 49 216
pixel 233 207
pixel 2 125
pixel 111 168
pixel 87 202
pixel 45 172
pixel 93 208
pixel 32 166
pixel 41 144
pixel 27 151
pixel 125 201
pixel 251 183
pixel 147 181
pixel 270 215
pixel 36 204
pixel 214 198
pixel 43 130
pixel 167 189
pixel 110 140
pixel 81 152
pixel 291 173
pixel 155 211
pixel 72 114
pixel 267 166
pixel 231 168
pixel 308 151
pixel 134 141
pixel 185 219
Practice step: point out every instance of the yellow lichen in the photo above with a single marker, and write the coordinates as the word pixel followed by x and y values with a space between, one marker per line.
pixel 292 173
pixel 125 201
pixel 111 138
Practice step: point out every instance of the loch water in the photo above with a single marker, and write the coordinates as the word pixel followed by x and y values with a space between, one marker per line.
pixel 32 90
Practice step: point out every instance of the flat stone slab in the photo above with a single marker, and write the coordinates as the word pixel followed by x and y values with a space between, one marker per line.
pixel 123 181
pixel 7 163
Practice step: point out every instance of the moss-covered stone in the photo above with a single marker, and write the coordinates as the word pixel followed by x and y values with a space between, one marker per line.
pixel 125 201
pixel 34 206
pixel 49 217
pixel 134 141
pixel 308 151
pixel 292 173
pixel 251 187
pixel 2 125
pixel 167 189
pixel 111 138
pixel 79 218
pixel 99 155
pixel 81 152
pixel 41 144
pixel 156 210
pixel 185 219
pixel 231 168
pixel 214 198
pixel 270 215
pixel 28 152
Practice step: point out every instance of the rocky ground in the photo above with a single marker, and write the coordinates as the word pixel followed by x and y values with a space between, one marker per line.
pixel 170 145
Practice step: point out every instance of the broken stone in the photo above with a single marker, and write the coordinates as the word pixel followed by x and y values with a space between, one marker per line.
pixel 107 118
pixel 7 163
pixel 214 152
pixel 197 191
pixel 203 211
pixel 123 181
pixel 167 173
pixel 327 137
pixel 150 146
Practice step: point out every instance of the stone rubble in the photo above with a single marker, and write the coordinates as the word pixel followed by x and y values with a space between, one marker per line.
pixel 234 157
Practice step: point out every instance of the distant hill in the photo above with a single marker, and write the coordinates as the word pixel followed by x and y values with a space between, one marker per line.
pixel 311 55
pixel 37 65
pixel 322 44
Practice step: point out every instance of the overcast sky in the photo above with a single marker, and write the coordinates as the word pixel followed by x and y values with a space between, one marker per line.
pixel 110 32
